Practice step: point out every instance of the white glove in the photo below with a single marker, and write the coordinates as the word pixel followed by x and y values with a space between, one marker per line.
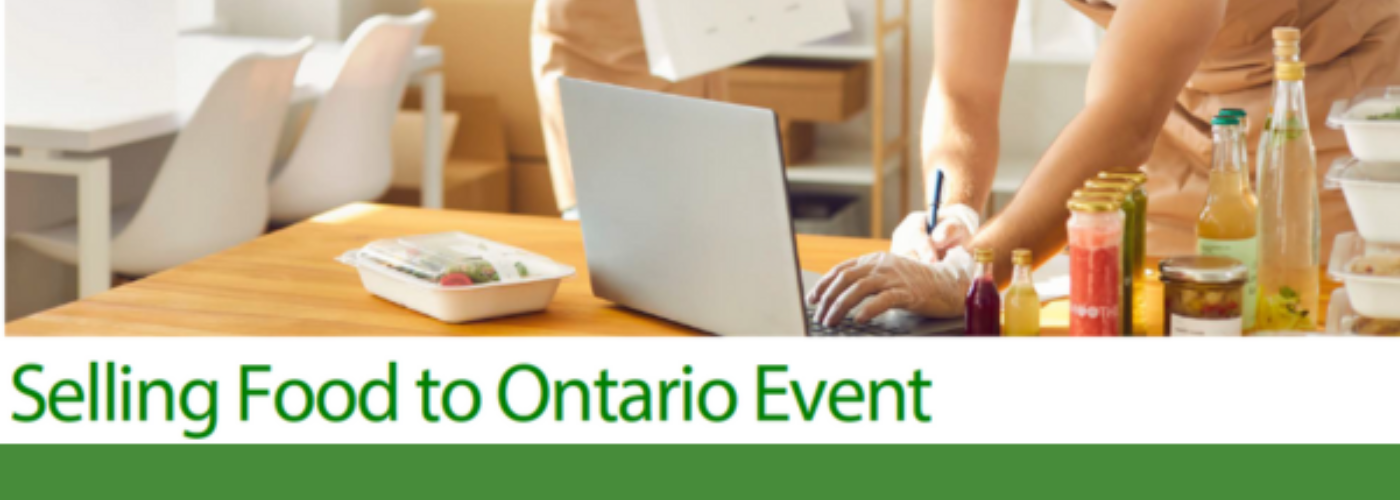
pixel 956 225
pixel 936 289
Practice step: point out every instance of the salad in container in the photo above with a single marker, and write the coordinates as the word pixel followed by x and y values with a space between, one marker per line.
pixel 1371 272
pixel 456 277
pixel 1371 121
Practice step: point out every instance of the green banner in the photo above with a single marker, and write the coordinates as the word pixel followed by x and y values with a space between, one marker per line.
pixel 708 471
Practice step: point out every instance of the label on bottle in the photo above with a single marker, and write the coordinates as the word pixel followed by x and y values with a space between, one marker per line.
pixel 1247 252
pixel 1183 326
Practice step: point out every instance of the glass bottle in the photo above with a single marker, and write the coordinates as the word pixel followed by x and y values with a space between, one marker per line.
pixel 1227 226
pixel 983 315
pixel 1095 230
pixel 1139 235
pixel 1022 308
pixel 1243 117
pixel 1289 228
pixel 1130 251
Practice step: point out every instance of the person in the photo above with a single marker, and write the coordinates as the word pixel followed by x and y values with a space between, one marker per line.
pixel 598 40
pixel 1162 70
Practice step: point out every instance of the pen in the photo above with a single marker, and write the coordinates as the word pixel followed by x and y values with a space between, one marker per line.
pixel 937 200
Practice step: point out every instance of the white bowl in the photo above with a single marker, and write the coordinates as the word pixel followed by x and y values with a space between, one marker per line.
pixel 1370 140
pixel 1373 195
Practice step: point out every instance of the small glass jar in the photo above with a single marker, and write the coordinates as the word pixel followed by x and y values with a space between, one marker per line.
pixel 1203 296
pixel 1095 230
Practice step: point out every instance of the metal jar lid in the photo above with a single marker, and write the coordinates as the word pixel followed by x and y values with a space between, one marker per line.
pixel 1204 269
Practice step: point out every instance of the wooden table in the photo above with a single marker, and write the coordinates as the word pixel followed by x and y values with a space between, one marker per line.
pixel 288 284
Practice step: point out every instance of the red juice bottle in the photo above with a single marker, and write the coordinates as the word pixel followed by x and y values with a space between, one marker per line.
pixel 1095 266
pixel 983 305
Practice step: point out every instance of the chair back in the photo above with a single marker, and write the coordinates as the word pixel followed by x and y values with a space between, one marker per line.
pixel 344 152
pixel 211 192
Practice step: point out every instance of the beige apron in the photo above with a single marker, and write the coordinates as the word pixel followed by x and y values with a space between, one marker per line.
pixel 598 40
pixel 1348 45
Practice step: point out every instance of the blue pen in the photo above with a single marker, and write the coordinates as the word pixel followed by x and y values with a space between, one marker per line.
pixel 937 200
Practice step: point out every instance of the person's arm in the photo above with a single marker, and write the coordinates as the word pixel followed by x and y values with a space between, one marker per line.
pixel 971 45
pixel 1146 58
pixel 1149 52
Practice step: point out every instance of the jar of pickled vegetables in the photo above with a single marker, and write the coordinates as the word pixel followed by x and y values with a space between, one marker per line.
pixel 1096 267
pixel 1203 296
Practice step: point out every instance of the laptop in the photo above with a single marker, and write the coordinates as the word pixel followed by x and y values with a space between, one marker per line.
pixel 685 215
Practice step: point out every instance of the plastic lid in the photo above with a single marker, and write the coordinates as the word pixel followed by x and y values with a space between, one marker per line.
pixel 1021 257
pixel 1224 120
pixel 1092 205
pixel 1235 112
pixel 983 255
pixel 1123 185
pixel 1138 178
pixel 1373 107
pixel 1204 269
pixel 1347 170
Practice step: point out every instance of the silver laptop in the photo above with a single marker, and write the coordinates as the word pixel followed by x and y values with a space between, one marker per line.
pixel 685 214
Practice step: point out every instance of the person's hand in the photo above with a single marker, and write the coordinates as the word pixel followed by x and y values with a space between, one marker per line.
pixel 956 225
pixel 890 281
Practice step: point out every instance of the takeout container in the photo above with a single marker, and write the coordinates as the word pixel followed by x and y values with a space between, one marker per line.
pixel 1370 295
pixel 1342 319
pixel 1373 195
pixel 1370 140
pixel 425 273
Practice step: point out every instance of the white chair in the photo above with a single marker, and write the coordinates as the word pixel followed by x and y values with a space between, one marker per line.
pixel 344 153
pixel 211 191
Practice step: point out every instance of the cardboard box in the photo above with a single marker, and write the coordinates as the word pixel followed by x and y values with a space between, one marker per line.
pixel 476 172
pixel 407 145
pixel 467 185
pixel 799 140
pixel 486 51
pixel 532 191
pixel 480 133
pixel 815 91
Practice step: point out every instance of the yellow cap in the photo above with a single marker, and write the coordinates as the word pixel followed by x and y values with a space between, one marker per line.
pixel 1093 205
pixel 1123 185
pixel 1021 257
pixel 1138 178
pixel 1105 193
pixel 983 255
pixel 1289 71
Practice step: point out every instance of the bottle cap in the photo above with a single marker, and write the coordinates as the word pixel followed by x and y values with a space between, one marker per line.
pixel 1092 205
pixel 1224 120
pixel 1123 185
pixel 1138 178
pixel 1204 269
pixel 983 255
pixel 1107 194
pixel 1235 112
pixel 1021 257
pixel 1286 40
pixel 1287 34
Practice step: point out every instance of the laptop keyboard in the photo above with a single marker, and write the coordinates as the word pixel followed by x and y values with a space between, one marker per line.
pixel 848 328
